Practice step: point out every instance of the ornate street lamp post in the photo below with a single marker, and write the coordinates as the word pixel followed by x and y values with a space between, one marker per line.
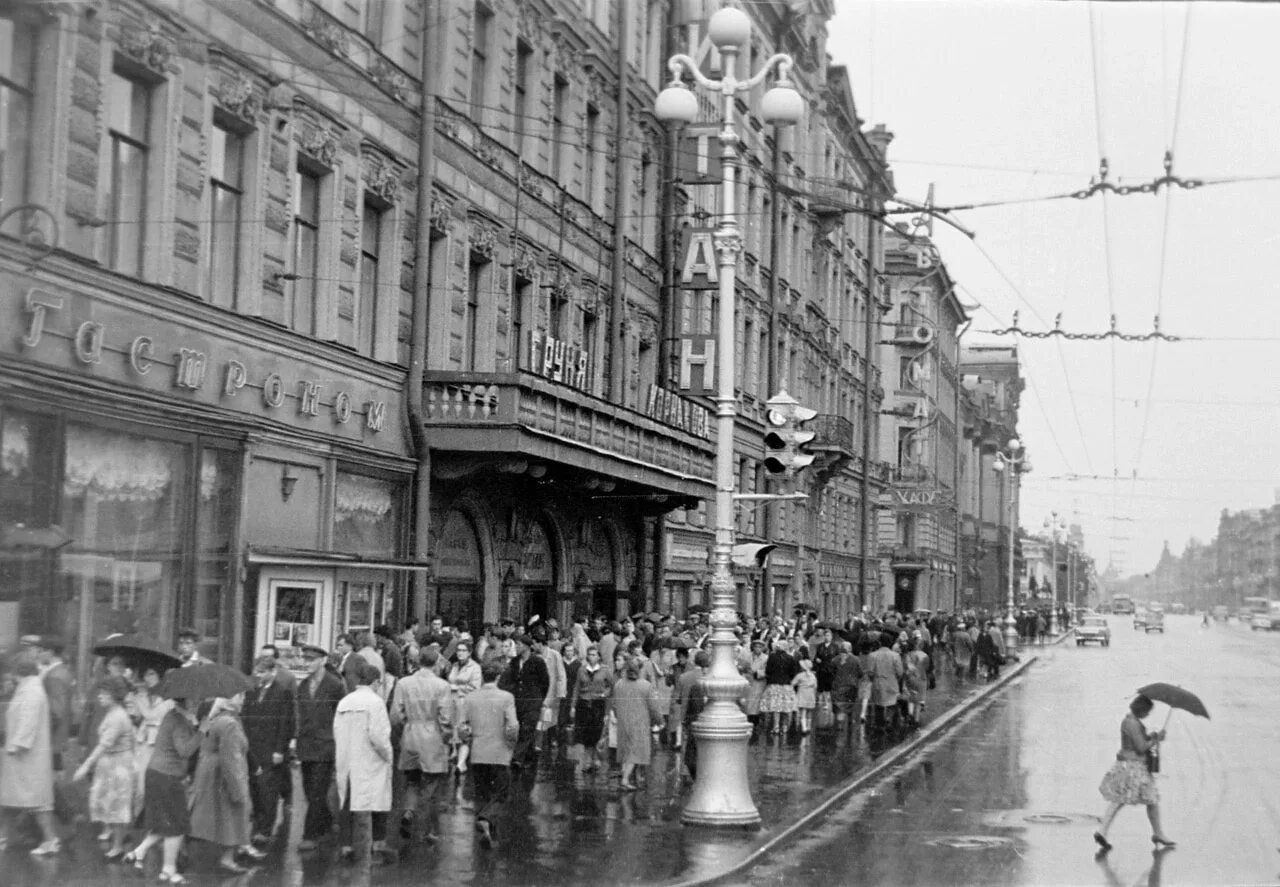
pixel 1015 458
pixel 1056 526
pixel 721 795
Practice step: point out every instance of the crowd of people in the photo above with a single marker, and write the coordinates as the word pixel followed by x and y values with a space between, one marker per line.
pixel 394 721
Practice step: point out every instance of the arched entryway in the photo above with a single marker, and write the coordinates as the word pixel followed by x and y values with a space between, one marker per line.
pixel 459 573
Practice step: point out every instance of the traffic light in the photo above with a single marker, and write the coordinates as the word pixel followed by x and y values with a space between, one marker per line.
pixel 751 554
pixel 785 441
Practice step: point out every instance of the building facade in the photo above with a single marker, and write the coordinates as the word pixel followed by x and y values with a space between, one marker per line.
pixel 224 244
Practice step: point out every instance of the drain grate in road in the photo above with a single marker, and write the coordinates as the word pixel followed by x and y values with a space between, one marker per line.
pixel 1014 818
pixel 971 842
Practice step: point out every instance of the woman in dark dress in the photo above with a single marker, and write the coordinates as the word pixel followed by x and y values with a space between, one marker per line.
pixel 165 795
pixel 591 691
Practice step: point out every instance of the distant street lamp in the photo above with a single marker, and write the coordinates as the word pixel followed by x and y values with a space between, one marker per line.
pixel 1015 457
pixel 721 795
pixel 1056 526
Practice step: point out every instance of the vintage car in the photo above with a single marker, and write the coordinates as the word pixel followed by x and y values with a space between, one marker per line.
pixel 1093 628
pixel 1139 619
pixel 1154 621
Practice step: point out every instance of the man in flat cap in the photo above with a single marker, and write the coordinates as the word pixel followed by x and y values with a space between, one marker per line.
pixel 526 679
pixel 318 697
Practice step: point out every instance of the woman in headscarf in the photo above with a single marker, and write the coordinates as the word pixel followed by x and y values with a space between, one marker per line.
pixel 220 805
pixel 26 777
pixel 636 707
pixel 752 667
pixel 165 811
pixel 915 681
pixel 147 708
pixel 1129 781
pixel 112 765
pixel 588 699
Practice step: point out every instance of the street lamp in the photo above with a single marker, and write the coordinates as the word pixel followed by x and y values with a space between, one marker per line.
pixel 721 794
pixel 1056 526
pixel 1015 457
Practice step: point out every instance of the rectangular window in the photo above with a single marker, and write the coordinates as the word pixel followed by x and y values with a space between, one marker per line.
pixel 17 80
pixel 590 170
pixel 306 249
pixel 559 97
pixel 520 114
pixel 471 313
pixel 520 302
pixel 226 191
pixel 590 334
pixel 480 58
pixel 128 125
pixel 370 249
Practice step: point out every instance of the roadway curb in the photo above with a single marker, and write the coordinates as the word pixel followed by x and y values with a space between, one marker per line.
pixel 886 762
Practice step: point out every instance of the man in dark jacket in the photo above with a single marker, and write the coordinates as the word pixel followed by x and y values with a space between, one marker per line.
pixel 268 718
pixel 528 680
pixel 318 698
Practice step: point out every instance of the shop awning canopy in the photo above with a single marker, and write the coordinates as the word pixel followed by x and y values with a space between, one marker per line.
pixel 293 557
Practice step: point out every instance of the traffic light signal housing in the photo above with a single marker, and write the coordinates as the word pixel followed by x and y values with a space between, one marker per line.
pixel 785 441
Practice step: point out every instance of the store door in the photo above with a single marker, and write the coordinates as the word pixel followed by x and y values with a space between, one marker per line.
pixel 294 611
pixel 904 592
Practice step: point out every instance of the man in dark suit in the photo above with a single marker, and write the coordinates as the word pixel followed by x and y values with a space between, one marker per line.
pixel 347 659
pixel 489 718
pixel 318 697
pixel 268 718
pixel 528 680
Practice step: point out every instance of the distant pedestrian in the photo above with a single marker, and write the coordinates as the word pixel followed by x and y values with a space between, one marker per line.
pixel 805 685
pixel 26 776
pixel 915 681
pixel 1129 781
pixel 885 669
pixel 165 812
pixel 147 708
pixel 527 679
pixel 847 670
pixel 424 704
pixel 111 762
pixel 693 699
pixel 635 705
pixel 318 696
pixel 362 765
pixel 220 800
pixel 490 720
pixel 590 696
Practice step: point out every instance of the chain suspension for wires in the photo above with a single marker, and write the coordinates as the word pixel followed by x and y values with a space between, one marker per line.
pixel 1058 332
pixel 1168 180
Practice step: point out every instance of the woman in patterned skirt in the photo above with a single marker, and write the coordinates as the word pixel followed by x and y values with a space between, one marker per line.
pixel 779 699
pixel 112 765
pixel 1129 781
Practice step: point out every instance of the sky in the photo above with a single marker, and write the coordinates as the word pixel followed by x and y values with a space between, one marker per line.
pixel 1138 442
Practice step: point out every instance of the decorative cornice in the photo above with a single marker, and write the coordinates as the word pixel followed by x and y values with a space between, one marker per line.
pixel 148 47
pixel 237 95
pixel 441 212
pixel 482 237
pixel 318 141
pixel 381 177
pixel 390 78
pixel 317 25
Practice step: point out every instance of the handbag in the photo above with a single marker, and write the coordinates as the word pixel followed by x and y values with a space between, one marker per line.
pixel 824 717
pixel 1153 759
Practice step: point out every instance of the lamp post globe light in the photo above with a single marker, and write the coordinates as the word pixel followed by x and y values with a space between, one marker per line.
pixel 1056 526
pixel 721 794
pixel 1014 458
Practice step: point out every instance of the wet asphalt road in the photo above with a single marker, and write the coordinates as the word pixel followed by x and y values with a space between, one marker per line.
pixel 1010 796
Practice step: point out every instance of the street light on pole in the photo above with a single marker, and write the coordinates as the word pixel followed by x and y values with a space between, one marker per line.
pixel 1056 526
pixel 721 795
pixel 1015 458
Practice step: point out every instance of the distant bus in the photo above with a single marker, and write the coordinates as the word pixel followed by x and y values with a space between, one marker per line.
pixel 1121 604
pixel 1254 605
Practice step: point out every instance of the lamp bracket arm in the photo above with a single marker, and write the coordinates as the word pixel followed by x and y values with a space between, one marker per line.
pixel 782 61
pixel 680 64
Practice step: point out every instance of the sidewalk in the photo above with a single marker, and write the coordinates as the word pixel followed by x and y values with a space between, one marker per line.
pixel 565 829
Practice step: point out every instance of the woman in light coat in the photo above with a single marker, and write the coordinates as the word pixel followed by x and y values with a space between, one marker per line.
pixel 220 805
pixel 111 796
pixel 636 707
pixel 147 708
pixel 363 759
pixel 26 773
pixel 464 678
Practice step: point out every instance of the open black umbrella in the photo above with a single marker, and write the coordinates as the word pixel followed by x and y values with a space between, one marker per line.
pixel 1175 697
pixel 698 608
pixel 138 650
pixel 204 681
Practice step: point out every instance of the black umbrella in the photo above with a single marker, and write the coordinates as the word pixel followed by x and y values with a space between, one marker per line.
pixel 204 681
pixel 698 608
pixel 1175 697
pixel 138 650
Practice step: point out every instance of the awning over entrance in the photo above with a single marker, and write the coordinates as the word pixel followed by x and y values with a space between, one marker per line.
pixel 295 558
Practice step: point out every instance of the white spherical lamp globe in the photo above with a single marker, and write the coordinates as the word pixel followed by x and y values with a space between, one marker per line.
pixel 1015 445
pixel 782 106
pixel 729 26
pixel 676 104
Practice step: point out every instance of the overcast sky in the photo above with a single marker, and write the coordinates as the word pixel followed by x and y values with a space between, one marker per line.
pixel 1005 101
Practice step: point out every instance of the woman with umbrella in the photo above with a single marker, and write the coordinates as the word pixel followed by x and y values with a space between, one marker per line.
pixel 111 763
pixel 165 811
pixel 220 791
pixel 147 708
pixel 1129 781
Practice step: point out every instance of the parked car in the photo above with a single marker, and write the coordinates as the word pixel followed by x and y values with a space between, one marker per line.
pixel 1154 621
pixel 1261 622
pixel 1093 628
pixel 1139 619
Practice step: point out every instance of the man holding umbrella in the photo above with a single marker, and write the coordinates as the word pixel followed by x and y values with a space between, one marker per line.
pixel 318 697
